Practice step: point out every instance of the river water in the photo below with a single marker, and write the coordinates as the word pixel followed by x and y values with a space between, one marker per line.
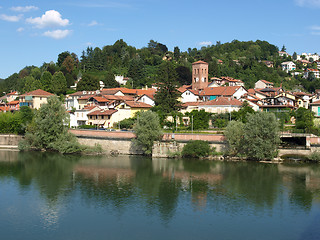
pixel 49 196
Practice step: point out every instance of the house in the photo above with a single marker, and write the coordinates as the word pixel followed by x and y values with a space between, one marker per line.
pixel 315 72
pixel 12 96
pixel 72 99
pixel 304 62
pixel 288 66
pixel 34 99
pixel 308 56
pixel 211 93
pixel 225 81
pixel 14 105
pixel 221 105
pixel 145 98
pixel 79 117
pixel 315 107
pixel 263 84
pixel 101 118
pixel 121 80
pixel 283 54
pixel 187 94
pixel 302 99
pixel 269 64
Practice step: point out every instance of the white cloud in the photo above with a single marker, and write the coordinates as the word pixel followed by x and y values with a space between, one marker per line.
pixel 10 18
pixel 308 3
pixel 24 9
pixel 205 43
pixel 51 18
pixel 21 29
pixel 57 34
pixel 315 28
pixel 88 44
pixel 93 23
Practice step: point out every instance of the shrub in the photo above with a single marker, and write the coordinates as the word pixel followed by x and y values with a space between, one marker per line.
pixel 196 149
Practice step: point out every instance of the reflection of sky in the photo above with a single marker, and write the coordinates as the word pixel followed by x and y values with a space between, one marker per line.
pixel 204 208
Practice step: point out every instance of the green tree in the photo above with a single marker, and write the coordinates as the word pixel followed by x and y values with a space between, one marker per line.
pixel 304 119
pixel 59 83
pixel 261 136
pixel 234 134
pixel 88 83
pixel 200 119
pixel 294 56
pixel 176 53
pixel 147 130
pixel 166 98
pixel 109 81
pixel 61 57
pixel 242 114
pixel 46 80
pixel 49 130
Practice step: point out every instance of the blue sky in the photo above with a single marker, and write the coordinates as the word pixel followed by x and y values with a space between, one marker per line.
pixel 36 31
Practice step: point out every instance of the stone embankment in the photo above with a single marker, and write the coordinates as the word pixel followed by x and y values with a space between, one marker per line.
pixel 9 141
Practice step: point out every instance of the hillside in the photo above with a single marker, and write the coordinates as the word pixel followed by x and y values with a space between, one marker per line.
pixel 240 60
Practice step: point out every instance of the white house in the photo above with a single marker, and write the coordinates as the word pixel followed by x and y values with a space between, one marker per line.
pixel 288 66
pixel 189 95
pixel 121 80
pixel 145 98
pixel 315 72
pixel 263 84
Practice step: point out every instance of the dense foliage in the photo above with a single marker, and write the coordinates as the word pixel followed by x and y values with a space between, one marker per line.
pixel 147 130
pixel 257 139
pixel 242 60
pixel 15 122
pixel 49 130
pixel 196 149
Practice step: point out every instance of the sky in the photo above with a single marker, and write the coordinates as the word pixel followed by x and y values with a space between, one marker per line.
pixel 36 31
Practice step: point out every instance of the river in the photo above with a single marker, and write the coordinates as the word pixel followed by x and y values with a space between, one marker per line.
pixel 49 196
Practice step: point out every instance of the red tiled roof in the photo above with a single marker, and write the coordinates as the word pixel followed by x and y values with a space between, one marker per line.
pixel 5 108
pixel 12 93
pixel 219 91
pixel 315 103
pixel 102 113
pixel 38 92
pixel 120 98
pixel 266 82
pixel 186 104
pixel 86 97
pixel 134 104
pixel 101 99
pixel 13 102
pixel 222 101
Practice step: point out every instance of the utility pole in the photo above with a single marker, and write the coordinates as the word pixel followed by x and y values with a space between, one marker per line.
pixel 191 124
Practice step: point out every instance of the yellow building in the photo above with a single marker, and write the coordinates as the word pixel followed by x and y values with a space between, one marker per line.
pixel 34 99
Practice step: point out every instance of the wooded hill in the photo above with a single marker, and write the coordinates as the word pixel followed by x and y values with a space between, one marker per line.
pixel 240 60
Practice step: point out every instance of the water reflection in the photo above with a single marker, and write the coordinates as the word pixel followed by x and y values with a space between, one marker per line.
pixel 157 187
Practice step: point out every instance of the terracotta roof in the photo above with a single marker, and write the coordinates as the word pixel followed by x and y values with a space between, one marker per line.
pixel 5 108
pixel 100 99
pixel 121 98
pixel 86 97
pixel 222 101
pixel 150 91
pixel 12 93
pixel 38 92
pixel 13 102
pixel 312 70
pixel 219 91
pixel 134 104
pixel 109 91
pixel 102 113
pixel 315 103
pixel 199 62
pixel 183 88
pixel 267 82
pixel 186 104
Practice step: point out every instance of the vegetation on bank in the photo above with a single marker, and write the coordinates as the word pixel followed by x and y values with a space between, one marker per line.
pixel 49 131
pixel 197 149
pixel 257 139
pixel 147 130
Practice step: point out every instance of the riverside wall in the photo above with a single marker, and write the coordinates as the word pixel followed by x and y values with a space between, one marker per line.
pixel 121 142
pixel 9 141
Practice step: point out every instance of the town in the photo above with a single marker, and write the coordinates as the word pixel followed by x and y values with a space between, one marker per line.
pixel 105 108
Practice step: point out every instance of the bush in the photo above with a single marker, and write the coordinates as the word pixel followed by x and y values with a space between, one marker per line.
pixel 196 149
